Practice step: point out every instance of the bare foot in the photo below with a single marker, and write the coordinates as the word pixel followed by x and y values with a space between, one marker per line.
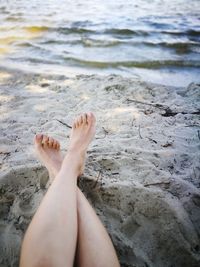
pixel 48 151
pixel 83 131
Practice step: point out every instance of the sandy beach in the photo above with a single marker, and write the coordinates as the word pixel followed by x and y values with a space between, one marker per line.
pixel 142 172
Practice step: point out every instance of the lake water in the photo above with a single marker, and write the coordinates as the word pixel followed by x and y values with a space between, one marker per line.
pixel 157 40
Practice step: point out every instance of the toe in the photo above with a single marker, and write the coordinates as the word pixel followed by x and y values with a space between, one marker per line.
pixel 45 141
pixel 80 120
pixel 57 145
pixel 54 144
pixel 38 139
pixel 77 122
pixel 74 125
pixel 51 142
pixel 90 118
pixel 84 118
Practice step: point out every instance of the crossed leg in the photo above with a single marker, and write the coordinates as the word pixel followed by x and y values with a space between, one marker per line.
pixel 58 231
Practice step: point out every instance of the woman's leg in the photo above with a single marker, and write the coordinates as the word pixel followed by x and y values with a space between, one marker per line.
pixel 51 238
pixel 94 248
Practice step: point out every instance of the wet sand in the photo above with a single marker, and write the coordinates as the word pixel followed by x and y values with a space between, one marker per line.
pixel 142 173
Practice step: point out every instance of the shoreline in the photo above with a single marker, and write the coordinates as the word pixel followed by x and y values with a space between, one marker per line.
pixel 142 172
pixel 164 77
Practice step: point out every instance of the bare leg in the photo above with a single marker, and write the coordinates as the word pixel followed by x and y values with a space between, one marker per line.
pixel 94 245
pixel 52 235
pixel 94 248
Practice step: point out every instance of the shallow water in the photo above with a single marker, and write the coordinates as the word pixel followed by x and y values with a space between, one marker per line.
pixel 155 39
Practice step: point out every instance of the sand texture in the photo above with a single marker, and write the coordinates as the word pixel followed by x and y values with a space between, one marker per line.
pixel 142 174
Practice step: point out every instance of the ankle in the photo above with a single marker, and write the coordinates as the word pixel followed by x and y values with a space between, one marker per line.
pixel 73 152
pixel 53 173
pixel 73 161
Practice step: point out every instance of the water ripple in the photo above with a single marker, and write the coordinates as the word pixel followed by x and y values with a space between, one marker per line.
pixel 103 35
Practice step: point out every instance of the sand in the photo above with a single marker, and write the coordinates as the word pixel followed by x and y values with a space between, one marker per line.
pixel 142 174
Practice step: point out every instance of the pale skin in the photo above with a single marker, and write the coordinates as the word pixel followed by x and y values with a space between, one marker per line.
pixel 65 231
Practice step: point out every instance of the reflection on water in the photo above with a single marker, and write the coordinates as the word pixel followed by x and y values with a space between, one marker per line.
pixel 158 39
